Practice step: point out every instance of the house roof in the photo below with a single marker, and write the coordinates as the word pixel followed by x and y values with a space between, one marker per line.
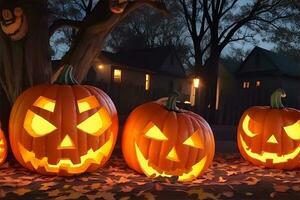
pixel 269 63
pixel 231 65
pixel 151 59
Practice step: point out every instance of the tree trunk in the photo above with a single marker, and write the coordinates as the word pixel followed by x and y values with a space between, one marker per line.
pixel 211 78
pixel 26 62
pixel 91 39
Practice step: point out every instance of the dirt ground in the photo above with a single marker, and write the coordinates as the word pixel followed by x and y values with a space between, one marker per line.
pixel 230 177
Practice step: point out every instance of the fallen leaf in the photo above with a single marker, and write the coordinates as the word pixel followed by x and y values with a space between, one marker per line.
pixel 221 180
pixel 126 188
pixel 281 188
pixel 248 193
pixel 21 191
pixel 296 188
pixel 47 186
pixel 202 194
pixel 228 194
pixel 149 196
pixel 53 193
pixel 250 181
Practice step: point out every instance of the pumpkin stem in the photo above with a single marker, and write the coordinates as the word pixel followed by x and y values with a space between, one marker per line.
pixel 276 98
pixel 66 76
pixel 171 103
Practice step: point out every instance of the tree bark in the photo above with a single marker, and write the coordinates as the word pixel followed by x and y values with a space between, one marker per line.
pixel 26 62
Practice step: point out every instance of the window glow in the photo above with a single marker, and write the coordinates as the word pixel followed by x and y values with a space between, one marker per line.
pixel 147 82
pixel 117 75
pixel 196 82
pixel 258 83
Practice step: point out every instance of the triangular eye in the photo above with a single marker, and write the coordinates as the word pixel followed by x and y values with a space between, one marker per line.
pixel 194 141
pixel 155 133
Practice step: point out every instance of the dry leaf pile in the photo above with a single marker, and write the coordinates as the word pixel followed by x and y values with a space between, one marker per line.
pixel 230 177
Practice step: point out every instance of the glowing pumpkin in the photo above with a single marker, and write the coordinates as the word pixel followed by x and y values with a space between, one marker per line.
pixel 162 140
pixel 14 23
pixel 270 136
pixel 118 6
pixel 3 147
pixel 64 128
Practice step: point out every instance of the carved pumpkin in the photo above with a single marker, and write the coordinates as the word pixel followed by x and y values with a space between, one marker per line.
pixel 3 147
pixel 118 6
pixel 162 140
pixel 14 22
pixel 270 136
pixel 64 128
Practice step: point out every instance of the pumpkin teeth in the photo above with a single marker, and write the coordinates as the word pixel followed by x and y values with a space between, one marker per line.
pixel 264 156
pixel 65 164
pixel 151 172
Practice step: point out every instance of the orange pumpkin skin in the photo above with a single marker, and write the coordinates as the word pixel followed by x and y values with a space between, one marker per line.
pixel 3 148
pixel 177 126
pixel 264 137
pixel 48 154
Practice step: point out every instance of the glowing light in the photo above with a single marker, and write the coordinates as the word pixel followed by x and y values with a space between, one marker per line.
pixel 66 164
pixel 151 172
pixel 37 126
pixel 100 66
pixel 194 141
pixel 172 155
pixel 45 103
pixel 264 156
pixel 272 140
pixel 147 82
pixel 66 143
pixel 96 124
pixel 1 142
pixel 196 82
pixel 293 131
pixel 117 75
pixel 246 127
pixel 88 103
pixel 155 133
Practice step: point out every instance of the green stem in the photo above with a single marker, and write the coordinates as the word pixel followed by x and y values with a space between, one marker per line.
pixel 171 103
pixel 276 98
pixel 66 76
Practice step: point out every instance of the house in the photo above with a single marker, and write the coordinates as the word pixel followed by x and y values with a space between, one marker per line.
pixel 136 76
pixel 264 71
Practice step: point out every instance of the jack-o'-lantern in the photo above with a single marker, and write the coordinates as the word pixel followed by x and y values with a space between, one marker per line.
pixel 63 128
pixel 3 147
pixel 270 136
pixel 14 21
pixel 161 140
pixel 118 6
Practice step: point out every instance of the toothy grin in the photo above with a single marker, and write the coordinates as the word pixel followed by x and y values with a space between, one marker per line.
pixel 151 172
pixel 264 156
pixel 66 164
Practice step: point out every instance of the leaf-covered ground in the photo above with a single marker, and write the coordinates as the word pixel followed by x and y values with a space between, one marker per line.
pixel 230 177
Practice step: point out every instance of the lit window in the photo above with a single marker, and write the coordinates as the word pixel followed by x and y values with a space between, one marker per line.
pixel 246 84
pixel 196 82
pixel 117 75
pixel 258 83
pixel 147 82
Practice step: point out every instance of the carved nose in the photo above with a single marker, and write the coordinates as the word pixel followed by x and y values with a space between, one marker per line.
pixel 272 140
pixel 66 143
pixel 172 155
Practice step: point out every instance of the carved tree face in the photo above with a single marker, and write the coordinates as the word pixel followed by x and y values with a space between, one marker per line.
pixel 159 144
pixel 14 23
pixel 3 147
pixel 63 130
pixel 118 6
pixel 270 137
